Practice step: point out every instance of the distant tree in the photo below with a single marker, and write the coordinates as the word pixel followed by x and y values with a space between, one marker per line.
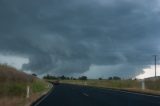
pixel 100 78
pixel 34 74
pixel 50 77
pixel 110 78
pixel 129 79
pixel 74 79
pixel 83 78
pixel 71 78
pixel 46 77
pixel 135 79
pixel 116 78
pixel 62 77
pixel 67 78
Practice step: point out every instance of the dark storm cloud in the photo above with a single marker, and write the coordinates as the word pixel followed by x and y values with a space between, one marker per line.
pixel 68 36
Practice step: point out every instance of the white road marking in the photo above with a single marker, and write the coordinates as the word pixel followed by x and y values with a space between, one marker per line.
pixel 130 92
pixel 85 94
pixel 43 98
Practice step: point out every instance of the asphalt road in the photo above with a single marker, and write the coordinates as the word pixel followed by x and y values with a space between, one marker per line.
pixel 72 95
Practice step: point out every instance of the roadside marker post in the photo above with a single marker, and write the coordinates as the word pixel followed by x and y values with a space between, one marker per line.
pixel 28 89
pixel 143 84
pixel 85 83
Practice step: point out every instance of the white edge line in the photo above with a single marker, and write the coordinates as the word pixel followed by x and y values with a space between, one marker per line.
pixel 85 94
pixel 135 93
pixel 36 104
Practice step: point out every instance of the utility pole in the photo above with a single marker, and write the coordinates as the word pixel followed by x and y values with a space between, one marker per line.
pixel 155 58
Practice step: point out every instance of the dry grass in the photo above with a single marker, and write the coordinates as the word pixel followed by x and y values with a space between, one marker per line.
pixel 12 101
pixel 148 91
pixel 152 86
pixel 13 85
pixel 8 73
pixel 18 100
pixel 106 83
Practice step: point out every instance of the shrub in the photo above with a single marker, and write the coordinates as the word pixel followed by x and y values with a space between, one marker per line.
pixel 83 78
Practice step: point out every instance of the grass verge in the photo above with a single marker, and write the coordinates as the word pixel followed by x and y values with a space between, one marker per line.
pixel 13 87
pixel 151 86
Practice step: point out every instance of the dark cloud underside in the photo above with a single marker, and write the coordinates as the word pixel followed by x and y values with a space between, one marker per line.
pixel 68 36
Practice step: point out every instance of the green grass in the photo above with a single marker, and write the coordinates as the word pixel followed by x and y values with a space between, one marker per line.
pixel 12 89
pixel 39 86
pixel 119 84
pixel 106 83
pixel 14 82
pixel 13 86
pixel 19 89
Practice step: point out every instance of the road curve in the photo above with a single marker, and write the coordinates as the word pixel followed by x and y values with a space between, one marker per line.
pixel 73 95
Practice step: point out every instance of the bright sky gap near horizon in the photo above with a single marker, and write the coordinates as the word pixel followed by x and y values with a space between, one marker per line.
pixel 97 38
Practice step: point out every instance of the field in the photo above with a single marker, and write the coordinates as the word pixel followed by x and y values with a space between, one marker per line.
pixel 13 87
pixel 151 86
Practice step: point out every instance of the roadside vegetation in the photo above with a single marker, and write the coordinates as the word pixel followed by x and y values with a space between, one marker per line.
pixel 51 77
pixel 151 85
pixel 13 87
pixel 106 83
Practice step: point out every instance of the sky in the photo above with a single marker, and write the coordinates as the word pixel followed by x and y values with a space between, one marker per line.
pixel 97 38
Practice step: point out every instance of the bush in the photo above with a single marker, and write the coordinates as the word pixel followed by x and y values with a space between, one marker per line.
pixel 99 78
pixel 110 78
pixel 83 78
pixel 49 77
pixel 114 78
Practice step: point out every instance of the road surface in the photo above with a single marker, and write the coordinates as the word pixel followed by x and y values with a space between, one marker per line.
pixel 72 95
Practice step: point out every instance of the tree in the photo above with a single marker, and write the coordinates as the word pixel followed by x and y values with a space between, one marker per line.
pixel 62 77
pixel 116 78
pixel 34 74
pixel 110 78
pixel 83 78
pixel 72 78
pixel 100 78
pixel 50 77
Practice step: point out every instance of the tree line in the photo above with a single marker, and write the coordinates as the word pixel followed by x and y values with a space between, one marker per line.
pixel 51 77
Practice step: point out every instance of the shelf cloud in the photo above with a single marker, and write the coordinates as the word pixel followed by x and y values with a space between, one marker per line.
pixel 67 37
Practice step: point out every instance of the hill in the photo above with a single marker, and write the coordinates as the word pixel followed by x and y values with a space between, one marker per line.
pixel 13 86
pixel 8 73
